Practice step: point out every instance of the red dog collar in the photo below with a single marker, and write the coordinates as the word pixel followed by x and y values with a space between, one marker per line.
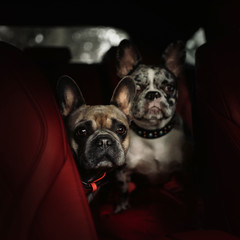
pixel 93 186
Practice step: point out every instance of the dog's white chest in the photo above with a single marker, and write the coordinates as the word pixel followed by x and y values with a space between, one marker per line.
pixel 155 157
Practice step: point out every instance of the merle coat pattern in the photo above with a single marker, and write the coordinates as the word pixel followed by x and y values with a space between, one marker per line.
pixel 159 145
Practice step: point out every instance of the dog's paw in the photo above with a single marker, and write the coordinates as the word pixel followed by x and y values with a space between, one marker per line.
pixel 121 207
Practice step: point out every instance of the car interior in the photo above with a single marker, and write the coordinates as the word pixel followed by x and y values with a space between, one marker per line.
pixel 42 196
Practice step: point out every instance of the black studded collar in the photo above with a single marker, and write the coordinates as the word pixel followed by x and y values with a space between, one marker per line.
pixel 151 134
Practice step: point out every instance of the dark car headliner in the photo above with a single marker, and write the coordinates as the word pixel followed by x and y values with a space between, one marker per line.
pixel 150 23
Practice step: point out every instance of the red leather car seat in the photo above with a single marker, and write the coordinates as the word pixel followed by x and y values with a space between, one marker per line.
pixel 41 191
pixel 218 131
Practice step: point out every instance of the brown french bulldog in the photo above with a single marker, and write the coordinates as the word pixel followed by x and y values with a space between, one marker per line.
pixel 99 134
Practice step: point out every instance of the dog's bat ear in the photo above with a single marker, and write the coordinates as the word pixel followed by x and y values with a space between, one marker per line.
pixel 124 94
pixel 174 57
pixel 127 57
pixel 69 95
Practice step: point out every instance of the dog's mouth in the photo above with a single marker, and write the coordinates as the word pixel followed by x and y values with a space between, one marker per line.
pixel 155 105
pixel 154 110
pixel 105 164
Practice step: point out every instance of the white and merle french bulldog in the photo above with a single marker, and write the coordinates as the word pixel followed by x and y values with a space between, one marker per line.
pixel 159 145
pixel 98 134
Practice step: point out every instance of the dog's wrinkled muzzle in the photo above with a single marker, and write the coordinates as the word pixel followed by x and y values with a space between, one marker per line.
pixel 104 151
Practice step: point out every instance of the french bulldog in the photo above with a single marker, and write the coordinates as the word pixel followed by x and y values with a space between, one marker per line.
pixel 98 134
pixel 160 146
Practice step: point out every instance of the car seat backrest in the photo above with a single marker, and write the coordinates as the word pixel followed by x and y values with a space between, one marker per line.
pixel 40 188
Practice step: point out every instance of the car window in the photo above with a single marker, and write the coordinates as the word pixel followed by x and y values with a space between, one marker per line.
pixel 87 44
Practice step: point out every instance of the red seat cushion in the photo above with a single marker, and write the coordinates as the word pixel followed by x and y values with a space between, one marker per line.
pixel 155 211
pixel 203 234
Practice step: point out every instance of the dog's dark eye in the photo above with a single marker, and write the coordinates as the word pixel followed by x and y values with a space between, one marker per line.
pixel 81 132
pixel 121 130
pixel 169 88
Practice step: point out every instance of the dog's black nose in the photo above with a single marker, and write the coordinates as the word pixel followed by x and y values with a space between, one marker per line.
pixel 152 95
pixel 104 142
